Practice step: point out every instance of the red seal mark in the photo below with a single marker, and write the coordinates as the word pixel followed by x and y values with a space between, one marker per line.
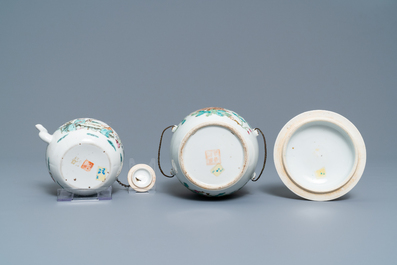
pixel 213 157
pixel 87 165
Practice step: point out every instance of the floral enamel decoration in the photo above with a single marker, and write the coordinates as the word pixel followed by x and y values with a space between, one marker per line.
pixel 92 125
pixel 214 152
pixel 222 113
pixel 84 156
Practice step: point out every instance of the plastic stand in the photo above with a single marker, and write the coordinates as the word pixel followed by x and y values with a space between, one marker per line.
pixel 66 196
pixel 131 191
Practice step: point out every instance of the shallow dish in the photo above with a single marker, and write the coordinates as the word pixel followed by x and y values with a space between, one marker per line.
pixel 320 155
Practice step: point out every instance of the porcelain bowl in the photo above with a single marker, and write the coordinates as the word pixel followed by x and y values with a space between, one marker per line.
pixel 214 152
pixel 83 156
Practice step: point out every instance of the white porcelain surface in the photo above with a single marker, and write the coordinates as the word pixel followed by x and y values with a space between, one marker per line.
pixel 214 152
pixel 83 156
pixel 141 177
pixel 319 155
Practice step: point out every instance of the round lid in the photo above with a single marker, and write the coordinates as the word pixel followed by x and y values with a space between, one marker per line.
pixel 213 156
pixel 320 155
pixel 141 177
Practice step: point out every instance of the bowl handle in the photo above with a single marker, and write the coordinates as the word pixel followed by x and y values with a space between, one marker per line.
pixel 264 160
pixel 158 156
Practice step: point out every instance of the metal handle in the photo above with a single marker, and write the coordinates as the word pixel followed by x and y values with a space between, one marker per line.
pixel 122 184
pixel 158 157
pixel 264 161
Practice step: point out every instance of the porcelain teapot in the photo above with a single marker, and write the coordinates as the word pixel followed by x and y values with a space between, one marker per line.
pixel 214 152
pixel 84 156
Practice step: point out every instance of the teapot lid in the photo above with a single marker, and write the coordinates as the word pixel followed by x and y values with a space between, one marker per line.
pixel 141 177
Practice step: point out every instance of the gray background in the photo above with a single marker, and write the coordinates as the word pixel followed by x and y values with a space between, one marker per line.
pixel 143 65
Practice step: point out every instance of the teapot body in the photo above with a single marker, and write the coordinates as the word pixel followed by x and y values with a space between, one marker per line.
pixel 84 156
pixel 214 152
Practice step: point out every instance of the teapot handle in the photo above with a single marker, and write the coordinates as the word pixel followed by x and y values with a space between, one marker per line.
pixel 264 161
pixel 158 156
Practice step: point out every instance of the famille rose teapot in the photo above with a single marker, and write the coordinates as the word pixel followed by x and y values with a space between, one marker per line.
pixel 214 152
pixel 84 156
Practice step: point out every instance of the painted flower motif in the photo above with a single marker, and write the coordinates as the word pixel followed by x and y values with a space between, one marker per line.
pixel 106 131
pixel 209 111
pixel 238 116
pixel 224 113
pixel 72 125
pixel 93 125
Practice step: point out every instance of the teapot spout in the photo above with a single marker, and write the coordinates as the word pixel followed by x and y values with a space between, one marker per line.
pixel 43 134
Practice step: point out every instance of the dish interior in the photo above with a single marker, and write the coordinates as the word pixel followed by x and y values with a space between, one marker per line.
pixel 85 166
pixel 142 178
pixel 213 157
pixel 319 156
